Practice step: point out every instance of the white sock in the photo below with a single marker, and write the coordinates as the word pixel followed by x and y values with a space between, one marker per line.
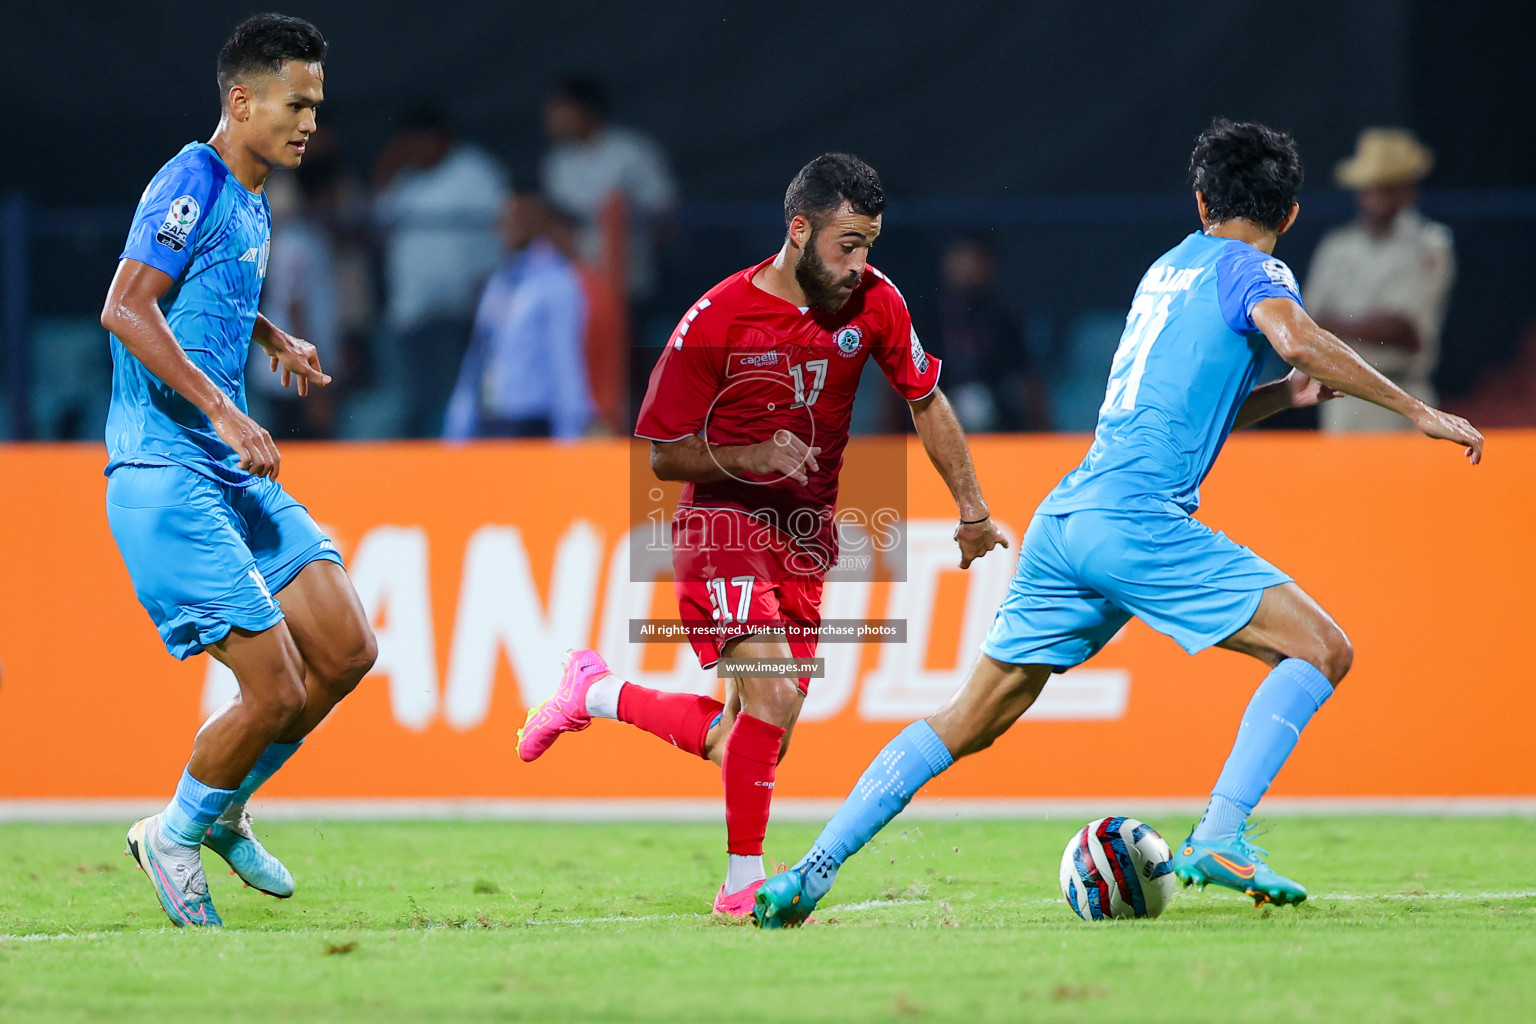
pixel 603 697
pixel 742 871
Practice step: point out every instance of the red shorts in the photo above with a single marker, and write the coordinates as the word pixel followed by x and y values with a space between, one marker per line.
pixel 733 578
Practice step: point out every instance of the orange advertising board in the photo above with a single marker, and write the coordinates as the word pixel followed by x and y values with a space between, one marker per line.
pixel 481 564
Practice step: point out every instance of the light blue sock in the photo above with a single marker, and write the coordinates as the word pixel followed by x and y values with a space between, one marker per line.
pixel 274 757
pixel 195 806
pixel 887 785
pixel 1281 707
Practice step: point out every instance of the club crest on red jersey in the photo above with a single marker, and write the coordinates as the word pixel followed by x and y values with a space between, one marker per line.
pixel 848 340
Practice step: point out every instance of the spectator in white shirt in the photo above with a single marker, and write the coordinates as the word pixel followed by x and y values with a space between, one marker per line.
pixel 590 161
pixel 1382 282
pixel 437 202
pixel 525 374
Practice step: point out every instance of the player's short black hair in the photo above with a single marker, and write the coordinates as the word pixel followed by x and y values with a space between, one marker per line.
pixel 1246 170
pixel 827 182
pixel 265 42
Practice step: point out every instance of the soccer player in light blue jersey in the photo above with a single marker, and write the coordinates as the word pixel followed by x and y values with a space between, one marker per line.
pixel 220 556
pixel 1116 538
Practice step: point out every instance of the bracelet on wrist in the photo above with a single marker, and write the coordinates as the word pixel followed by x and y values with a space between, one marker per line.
pixel 973 522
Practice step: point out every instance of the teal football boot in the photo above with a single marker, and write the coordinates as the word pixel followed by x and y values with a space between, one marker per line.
pixel 176 872
pixel 782 901
pixel 1234 863
pixel 232 839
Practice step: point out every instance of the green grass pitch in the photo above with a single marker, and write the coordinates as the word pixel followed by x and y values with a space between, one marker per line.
pixel 1412 919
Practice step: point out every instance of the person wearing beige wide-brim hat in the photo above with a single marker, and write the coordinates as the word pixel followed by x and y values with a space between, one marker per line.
pixel 1381 282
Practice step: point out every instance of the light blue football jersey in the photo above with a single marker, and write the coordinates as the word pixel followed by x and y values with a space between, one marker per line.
pixel 198 224
pixel 1188 358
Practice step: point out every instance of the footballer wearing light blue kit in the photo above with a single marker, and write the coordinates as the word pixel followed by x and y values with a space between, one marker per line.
pixel 1117 537
pixel 220 556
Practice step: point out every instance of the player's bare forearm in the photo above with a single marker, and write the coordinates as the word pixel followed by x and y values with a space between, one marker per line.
pixel 1262 403
pixel 267 334
pixel 692 460
pixel 1325 360
pixel 1293 391
pixel 295 358
pixel 1322 356
pixel 944 440
pixel 132 313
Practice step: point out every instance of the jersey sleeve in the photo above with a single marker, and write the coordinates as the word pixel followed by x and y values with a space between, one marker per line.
pixel 1246 277
pixel 686 379
pixel 912 372
pixel 174 211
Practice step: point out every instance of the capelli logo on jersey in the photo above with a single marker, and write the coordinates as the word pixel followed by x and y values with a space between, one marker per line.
pixel 848 340
pixel 746 362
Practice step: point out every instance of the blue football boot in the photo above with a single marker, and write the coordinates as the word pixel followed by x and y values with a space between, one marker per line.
pixel 1236 864
pixel 782 901
pixel 232 839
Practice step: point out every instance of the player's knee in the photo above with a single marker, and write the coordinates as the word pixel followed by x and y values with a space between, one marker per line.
pixel 346 665
pixel 1338 655
pixel 282 705
pixel 1329 651
pixel 360 660
pixel 776 701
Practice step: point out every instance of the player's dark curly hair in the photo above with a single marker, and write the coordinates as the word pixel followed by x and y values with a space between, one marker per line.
pixel 265 42
pixel 1246 170
pixel 827 182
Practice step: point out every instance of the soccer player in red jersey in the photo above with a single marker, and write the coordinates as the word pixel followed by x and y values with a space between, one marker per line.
pixel 749 405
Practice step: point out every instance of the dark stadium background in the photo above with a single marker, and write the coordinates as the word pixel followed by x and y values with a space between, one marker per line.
pixel 1058 130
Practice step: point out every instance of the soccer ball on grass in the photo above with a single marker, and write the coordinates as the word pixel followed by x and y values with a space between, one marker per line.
pixel 1117 867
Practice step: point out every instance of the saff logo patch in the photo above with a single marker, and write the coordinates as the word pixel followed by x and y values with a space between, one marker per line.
pixel 848 340
pixel 919 357
pixel 180 219
pixel 1281 275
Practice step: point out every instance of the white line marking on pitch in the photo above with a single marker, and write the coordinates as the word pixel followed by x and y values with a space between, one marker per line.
pixel 842 908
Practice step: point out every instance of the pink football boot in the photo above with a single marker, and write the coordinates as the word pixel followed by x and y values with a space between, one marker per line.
pixel 737 904
pixel 566 711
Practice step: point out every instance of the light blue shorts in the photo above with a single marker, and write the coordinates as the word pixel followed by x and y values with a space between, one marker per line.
pixel 206 557
pixel 1083 575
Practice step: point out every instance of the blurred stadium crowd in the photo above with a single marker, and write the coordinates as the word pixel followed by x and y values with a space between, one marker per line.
pixel 449 300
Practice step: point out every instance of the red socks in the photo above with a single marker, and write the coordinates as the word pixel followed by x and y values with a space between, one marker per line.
pixel 682 719
pixel 751 755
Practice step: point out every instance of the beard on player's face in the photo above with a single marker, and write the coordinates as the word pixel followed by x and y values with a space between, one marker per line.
pixel 823 288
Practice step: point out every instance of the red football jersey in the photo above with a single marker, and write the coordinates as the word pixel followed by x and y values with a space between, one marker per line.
pixel 743 364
